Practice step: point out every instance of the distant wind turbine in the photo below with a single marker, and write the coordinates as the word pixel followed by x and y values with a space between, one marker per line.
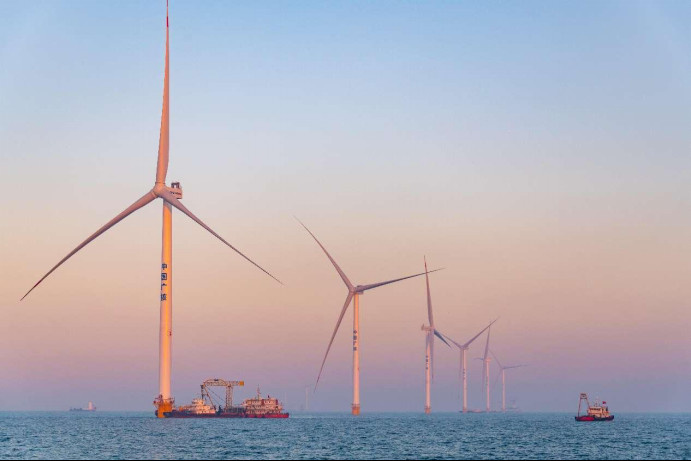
pixel 171 198
pixel 431 332
pixel 485 372
pixel 354 292
pixel 503 379
pixel 463 369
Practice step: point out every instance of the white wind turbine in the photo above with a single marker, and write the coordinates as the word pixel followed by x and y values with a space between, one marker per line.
pixel 503 379
pixel 431 332
pixel 171 198
pixel 485 371
pixel 463 369
pixel 354 292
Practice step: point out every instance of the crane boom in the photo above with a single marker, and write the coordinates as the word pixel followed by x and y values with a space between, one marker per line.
pixel 217 382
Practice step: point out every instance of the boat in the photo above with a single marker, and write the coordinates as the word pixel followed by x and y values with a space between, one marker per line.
pixel 260 407
pixel 597 412
pixel 89 407
pixel 204 406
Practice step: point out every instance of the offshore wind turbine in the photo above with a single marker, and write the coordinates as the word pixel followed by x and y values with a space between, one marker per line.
pixel 463 369
pixel 503 379
pixel 354 292
pixel 171 197
pixel 431 332
pixel 485 371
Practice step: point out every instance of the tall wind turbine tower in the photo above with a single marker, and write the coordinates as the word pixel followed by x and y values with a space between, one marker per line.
pixel 171 197
pixel 463 368
pixel 354 292
pixel 503 379
pixel 430 333
pixel 485 371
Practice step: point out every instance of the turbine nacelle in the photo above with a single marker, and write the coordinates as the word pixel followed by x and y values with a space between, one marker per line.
pixel 163 191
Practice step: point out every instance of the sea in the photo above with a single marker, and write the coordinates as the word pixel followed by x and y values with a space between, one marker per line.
pixel 113 435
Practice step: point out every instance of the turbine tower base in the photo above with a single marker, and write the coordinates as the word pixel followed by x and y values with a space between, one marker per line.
pixel 428 410
pixel 163 406
pixel 356 410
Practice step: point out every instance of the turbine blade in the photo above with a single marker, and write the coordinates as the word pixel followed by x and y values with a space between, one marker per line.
pixel 148 197
pixel 338 324
pixel 338 269
pixel 177 204
pixel 441 336
pixel 429 298
pixel 163 140
pixel 496 380
pixel 460 346
pixel 477 335
pixel 375 285
pixel 498 362
pixel 487 345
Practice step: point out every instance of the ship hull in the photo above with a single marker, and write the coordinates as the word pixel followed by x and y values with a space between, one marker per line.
pixel 593 418
pixel 177 414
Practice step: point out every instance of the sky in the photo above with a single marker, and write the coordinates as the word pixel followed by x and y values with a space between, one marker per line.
pixel 538 151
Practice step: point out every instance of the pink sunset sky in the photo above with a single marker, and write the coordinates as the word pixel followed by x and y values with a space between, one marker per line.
pixel 542 161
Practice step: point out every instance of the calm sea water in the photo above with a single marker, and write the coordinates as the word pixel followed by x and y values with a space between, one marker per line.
pixel 105 435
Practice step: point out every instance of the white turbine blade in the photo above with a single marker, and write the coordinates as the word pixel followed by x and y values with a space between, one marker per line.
pixel 338 269
pixel 177 204
pixel 487 345
pixel 375 285
pixel 460 346
pixel 496 380
pixel 163 140
pixel 441 336
pixel 429 298
pixel 515 366
pixel 148 197
pixel 498 362
pixel 478 335
pixel 338 324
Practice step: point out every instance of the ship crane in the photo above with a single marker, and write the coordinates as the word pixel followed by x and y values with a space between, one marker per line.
pixel 584 397
pixel 216 382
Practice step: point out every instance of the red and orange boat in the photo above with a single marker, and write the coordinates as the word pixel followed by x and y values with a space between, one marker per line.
pixel 597 412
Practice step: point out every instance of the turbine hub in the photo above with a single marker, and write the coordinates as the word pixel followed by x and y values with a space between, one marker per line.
pixel 175 190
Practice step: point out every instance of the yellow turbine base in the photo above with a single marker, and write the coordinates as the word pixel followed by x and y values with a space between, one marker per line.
pixel 163 406
pixel 356 410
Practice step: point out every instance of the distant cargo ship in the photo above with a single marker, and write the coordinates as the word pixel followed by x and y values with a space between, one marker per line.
pixel 89 407
pixel 597 412
pixel 204 406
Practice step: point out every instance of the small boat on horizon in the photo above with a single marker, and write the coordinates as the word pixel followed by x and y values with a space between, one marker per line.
pixel 89 407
